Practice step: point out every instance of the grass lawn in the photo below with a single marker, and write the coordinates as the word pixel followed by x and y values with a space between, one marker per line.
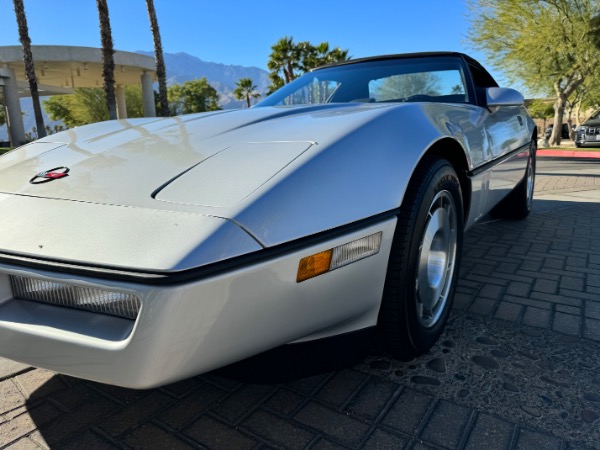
pixel 4 150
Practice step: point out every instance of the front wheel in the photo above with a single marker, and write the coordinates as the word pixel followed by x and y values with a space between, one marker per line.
pixel 424 261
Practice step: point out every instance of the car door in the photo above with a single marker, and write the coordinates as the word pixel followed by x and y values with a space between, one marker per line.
pixel 508 136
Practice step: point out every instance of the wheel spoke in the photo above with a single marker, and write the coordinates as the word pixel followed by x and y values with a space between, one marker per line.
pixel 437 253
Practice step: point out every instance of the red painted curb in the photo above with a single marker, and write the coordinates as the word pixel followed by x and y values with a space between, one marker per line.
pixel 568 153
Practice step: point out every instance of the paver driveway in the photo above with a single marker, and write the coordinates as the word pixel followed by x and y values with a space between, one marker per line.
pixel 517 367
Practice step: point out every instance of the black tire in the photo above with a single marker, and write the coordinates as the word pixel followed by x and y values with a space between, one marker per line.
pixel 517 204
pixel 577 144
pixel 432 205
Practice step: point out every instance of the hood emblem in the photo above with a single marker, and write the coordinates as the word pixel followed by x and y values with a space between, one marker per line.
pixel 50 175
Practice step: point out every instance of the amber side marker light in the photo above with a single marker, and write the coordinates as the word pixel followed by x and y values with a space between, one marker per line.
pixel 328 260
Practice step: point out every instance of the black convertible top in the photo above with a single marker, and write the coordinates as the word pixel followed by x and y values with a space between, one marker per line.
pixel 400 56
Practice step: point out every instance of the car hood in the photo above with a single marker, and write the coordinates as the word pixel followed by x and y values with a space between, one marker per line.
pixel 591 123
pixel 210 159
pixel 156 194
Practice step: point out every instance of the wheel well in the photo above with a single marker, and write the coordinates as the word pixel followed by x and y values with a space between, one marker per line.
pixel 452 151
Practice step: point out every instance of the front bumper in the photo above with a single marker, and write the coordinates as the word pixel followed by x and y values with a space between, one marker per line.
pixel 191 328
pixel 585 139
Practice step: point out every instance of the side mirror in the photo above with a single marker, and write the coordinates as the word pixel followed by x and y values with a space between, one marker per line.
pixel 503 97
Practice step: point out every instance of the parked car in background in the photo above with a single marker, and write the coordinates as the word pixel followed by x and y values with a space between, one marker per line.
pixel 588 133
pixel 142 251
pixel 565 133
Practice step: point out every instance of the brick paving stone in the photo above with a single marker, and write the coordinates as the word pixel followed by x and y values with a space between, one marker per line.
pixel 284 401
pixel 591 329
pixel 518 288
pixel 579 295
pixel 144 408
pixel 38 383
pixel 508 311
pixel 338 425
pixel 339 388
pixel 593 280
pixel 527 302
pixel 189 408
pixel 462 301
pixel 87 440
pixel 325 444
pixel 10 395
pixel 568 310
pixel 572 283
pixel 149 436
pixel 490 433
pixel 592 309
pixel 550 262
pixel 556 299
pixel 8 368
pixel 27 422
pixel 211 433
pixel 372 398
pixel 118 394
pixel 308 385
pixel 531 266
pixel 381 440
pixel 447 424
pixel 39 440
pixel 408 411
pixel 23 444
pixel 66 425
pixel 567 323
pixel 183 387
pixel 482 306
pixel 491 291
pixel 276 430
pixel 531 440
pixel 242 401
pixel 536 317
pixel 547 286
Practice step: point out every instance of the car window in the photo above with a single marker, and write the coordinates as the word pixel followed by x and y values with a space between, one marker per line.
pixel 418 79
pixel 315 92
pixel 447 83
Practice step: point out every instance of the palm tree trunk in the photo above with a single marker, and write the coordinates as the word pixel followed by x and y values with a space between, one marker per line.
pixel 161 73
pixel 29 66
pixel 108 62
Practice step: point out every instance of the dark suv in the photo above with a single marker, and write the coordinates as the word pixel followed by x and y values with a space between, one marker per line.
pixel 588 133
pixel 564 132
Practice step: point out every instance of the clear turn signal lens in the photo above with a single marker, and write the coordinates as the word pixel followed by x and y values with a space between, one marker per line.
pixel 319 263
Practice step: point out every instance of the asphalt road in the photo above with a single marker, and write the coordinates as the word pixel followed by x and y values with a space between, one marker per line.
pixel 517 366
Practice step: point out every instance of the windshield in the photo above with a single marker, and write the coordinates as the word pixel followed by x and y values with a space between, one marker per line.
pixel 422 79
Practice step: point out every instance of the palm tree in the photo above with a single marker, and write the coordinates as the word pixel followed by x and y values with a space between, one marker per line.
pixel 29 66
pixel 160 62
pixel 285 57
pixel 108 62
pixel 245 90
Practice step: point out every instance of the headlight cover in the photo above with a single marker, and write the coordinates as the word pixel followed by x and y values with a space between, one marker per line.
pixel 120 304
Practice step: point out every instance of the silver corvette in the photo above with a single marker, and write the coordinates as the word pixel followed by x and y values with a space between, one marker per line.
pixel 140 252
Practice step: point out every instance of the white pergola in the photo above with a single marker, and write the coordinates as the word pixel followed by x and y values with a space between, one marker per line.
pixel 60 69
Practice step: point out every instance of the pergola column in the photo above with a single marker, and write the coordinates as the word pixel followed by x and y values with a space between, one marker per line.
pixel 121 102
pixel 14 118
pixel 148 95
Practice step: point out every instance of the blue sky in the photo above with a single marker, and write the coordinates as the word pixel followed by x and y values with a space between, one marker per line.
pixel 227 33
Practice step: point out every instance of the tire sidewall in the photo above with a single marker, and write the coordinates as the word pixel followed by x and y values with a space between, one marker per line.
pixel 443 179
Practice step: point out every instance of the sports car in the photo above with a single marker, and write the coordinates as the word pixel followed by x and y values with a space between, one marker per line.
pixel 141 252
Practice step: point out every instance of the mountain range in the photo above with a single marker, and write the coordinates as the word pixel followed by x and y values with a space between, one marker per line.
pixel 183 67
